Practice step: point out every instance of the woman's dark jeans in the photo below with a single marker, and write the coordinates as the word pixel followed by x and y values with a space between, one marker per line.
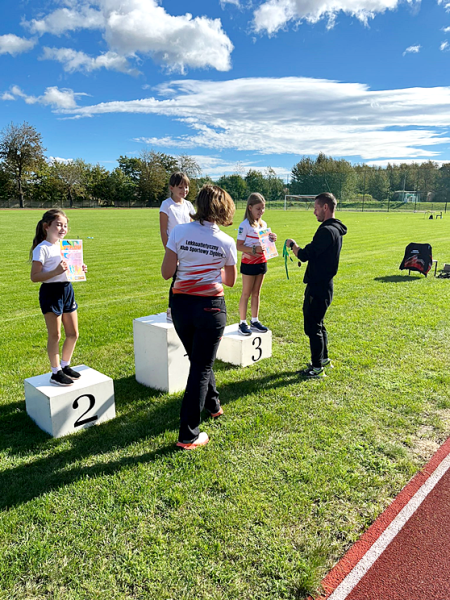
pixel 199 322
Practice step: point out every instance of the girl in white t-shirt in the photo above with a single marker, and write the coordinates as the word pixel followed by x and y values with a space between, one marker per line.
pixel 175 211
pixel 253 263
pixel 204 259
pixel 56 296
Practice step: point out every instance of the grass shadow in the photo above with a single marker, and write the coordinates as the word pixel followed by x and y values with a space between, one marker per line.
pixel 397 278
pixel 142 413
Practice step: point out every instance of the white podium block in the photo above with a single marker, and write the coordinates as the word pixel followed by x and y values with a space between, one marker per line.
pixel 159 356
pixel 63 410
pixel 243 350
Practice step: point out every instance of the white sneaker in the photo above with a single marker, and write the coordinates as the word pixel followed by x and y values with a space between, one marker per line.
pixel 202 440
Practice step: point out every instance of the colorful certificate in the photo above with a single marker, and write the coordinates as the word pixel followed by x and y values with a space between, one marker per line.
pixel 72 253
pixel 270 250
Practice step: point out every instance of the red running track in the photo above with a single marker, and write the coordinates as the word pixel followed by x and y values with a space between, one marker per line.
pixel 405 554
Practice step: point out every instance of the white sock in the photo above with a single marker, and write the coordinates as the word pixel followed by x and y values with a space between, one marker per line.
pixel 65 363
pixel 243 321
pixel 254 319
pixel 55 370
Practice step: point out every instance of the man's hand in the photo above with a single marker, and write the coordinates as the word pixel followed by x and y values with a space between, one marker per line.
pixel 290 243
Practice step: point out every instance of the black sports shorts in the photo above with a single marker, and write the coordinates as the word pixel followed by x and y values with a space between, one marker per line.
pixel 258 269
pixel 57 298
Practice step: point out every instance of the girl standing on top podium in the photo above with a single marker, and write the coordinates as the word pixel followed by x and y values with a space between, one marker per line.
pixel 174 211
pixel 56 296
pixel 206 259
pixel 253 263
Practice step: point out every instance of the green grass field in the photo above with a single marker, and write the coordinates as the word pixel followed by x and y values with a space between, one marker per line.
pixel 295 470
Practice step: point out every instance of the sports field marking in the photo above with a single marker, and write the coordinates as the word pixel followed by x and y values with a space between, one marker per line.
pixel 361 568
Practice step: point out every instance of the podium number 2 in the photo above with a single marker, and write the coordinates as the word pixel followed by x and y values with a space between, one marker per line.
pixel 80 421
pixel 257 343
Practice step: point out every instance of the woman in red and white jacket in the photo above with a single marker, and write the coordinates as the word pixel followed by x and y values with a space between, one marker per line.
pixel 206 259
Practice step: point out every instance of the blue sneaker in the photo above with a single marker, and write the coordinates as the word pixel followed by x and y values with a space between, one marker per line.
pixel 256 326
pixel 244 329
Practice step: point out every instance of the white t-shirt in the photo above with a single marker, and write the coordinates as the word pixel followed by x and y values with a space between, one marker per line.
pixel 50 257
pixel 249 235
pixel 177 213
pixel 202 251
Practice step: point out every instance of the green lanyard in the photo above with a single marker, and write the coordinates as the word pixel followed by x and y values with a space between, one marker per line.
pixel 286 256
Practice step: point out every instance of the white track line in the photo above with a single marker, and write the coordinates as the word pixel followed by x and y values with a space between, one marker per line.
pixel 361 568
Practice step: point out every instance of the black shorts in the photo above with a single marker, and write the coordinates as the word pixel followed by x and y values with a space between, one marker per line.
pixel 258 269
pixel 57 298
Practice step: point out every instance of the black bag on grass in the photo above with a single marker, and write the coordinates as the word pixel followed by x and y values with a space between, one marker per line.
pixel 418 257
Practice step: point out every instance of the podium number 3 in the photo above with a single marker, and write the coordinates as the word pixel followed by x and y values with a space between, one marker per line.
pixel 257 343
pixel 80 421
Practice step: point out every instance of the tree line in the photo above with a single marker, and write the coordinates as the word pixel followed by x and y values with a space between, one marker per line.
pixel 428 180
pixel 26 177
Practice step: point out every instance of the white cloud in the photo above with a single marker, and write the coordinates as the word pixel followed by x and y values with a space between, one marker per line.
pixel 446 29
pixel 224 2
pixel 12 44
pixel 66 19
pixel 272 15
pixel 412 50
pixel 58 99
pixel 52 159
pixel 79 61
pixel 7 96
pixel 144 27
pixel 216 166
pixel 141 26
pixel 296 115
pixel 444 46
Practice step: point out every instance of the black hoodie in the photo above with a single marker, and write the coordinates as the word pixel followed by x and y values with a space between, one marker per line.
pixel 322 254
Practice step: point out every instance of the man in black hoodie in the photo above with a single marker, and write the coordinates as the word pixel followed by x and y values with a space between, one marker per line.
pixel 322 255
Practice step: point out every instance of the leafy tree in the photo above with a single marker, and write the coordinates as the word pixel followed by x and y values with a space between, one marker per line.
pixel 98 184
pixel 189 165
pixel 443 183
pixel 73 176
pixel 21 151
pixel 46 187
pixel 256 182
pixel 153 181
pixel 275 188
pixel 6 185
pixel 131 167
pixel 377 183
pixel 235 185
pixel 325 174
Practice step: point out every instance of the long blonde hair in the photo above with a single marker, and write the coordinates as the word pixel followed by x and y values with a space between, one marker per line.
pixel 47 219
pixel 253 200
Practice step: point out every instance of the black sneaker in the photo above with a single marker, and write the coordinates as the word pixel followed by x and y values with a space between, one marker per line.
pixel 256 326
pixel 244 329
pixel 327 363
pixel 312 372
pixel 70 372
pixel 61 378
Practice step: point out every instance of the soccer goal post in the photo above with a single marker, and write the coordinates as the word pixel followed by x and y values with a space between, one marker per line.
pixel 298 201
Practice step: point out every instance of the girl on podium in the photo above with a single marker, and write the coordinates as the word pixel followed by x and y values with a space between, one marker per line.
pixel 206 260
pixel 174 211
pixel 253 263
pixel 56 296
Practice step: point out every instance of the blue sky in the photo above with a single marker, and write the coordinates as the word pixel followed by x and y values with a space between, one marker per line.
pixel 237 84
